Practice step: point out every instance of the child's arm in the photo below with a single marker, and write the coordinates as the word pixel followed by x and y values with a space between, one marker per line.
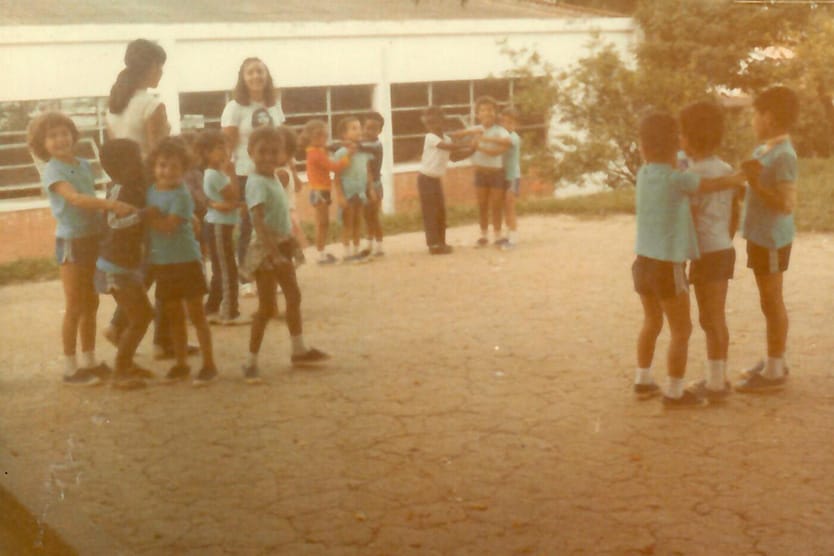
pixel 157 126
pixel 711 185
pixel 165 223
pixel 224 206
pixel 259 224
pixel 492 151
pixel 370 191
pixel 735 211
pixel 781 197
pixel 295 178
pixel 66 190
pixel 501 141
pixel 282 177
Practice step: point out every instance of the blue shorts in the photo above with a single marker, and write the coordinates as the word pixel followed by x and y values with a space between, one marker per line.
pixel 514 186
pixel 79 250
pixel 319 197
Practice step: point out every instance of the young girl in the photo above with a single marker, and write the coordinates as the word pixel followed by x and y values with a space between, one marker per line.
pixel 268 260
pixel 286 175
pixel 118 269
pixel 355 186
pixel 175 258
pixel 221 219
pixel 319 166
pixel 373 146
pixel 70 188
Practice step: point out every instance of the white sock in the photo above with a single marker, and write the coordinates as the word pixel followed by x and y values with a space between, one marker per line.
pixel 716 374
pixel 675 388
pixel 88 359
pixel 253 360
pixel 298 346
pixel 643 376
pixel 70 364
pixel 378 246
pixel 775 368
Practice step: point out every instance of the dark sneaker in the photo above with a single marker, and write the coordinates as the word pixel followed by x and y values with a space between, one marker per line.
pixel 205 376
pixel 379 252
pixel 312 355
pixel 177 372
pixel 102 371
pixel 646 391
pixel 328 259
pixel 251 374
pixel 139 372
pixel 440 250
pixel 482 242
pixel 350 259
pixel 161 353
pixel 366 252
pixel 499 243
pixel 759 368
pixel 508 245
pixel 701 389
pixel 756 383
pixel 126 381
pixel 81 377
pixel 689 399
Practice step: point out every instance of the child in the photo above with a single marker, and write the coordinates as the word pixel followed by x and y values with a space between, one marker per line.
pixel 175 258
pixel 220 221
pixel 702 128
pixel 287 177
pixel 769 228
pixel 319 166
pixel 512 174
pixel 268 260
pixel 355 186
pixel 437 149
pixel 70 187
pixel 665 240
pixel 373 146
pixel 121 252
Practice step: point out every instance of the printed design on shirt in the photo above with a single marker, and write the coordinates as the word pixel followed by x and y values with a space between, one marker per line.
pixel 261 118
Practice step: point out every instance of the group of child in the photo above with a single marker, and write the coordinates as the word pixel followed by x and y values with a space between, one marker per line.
pixel 687 210
pixel 150 236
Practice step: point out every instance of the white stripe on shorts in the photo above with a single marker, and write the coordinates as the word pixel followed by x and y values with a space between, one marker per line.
pixel 773 260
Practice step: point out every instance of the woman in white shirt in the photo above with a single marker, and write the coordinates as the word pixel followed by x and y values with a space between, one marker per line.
pixel 255 104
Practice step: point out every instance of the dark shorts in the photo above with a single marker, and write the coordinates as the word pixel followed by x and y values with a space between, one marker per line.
pixel 319 197
pixel 768 261
pixel 357 200
pixel 179 281
pixel 713 267
pixel 79 250
pixel 488 178
pixel 661 279
pixel 108 282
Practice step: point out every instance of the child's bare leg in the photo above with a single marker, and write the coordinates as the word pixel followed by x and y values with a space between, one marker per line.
pixel 652 325
pixel 483 209
pixel 775 313
pixel 179 335
pixel 266 303
pixel 134 302
pixel 198 319
pixel 298 232
pixel 712 297
pixel 89 309
pixel 347 224
pixel 496 201
pixel 676 310
pixel 322 225
pixel 73 303
pixel 509 211
pixel 372 220
pixel 357 225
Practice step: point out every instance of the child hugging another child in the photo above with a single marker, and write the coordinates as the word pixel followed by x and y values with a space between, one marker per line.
pixel 70 188
pixel 269 259
pixel 355 188
pixel 665 240
pixel 175 258
pixel 371 144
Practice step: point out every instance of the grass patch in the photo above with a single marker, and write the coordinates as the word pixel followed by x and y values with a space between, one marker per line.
pixel 815 195
pixel 28 270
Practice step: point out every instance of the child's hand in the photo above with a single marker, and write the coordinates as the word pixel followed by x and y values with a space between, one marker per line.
pixel 740 179
pixel 152 212
pixel 752 170
pixel 372 195
pixel 122 209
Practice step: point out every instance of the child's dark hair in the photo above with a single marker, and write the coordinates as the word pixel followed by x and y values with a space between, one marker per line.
pixel 511 112
pixel 206 141
pixel 702 123
pixel 781 103
pixel 241 93
pixel 659 136
pixel 289 139
pixel 377 117
pixel 485 100
pixel 170 147
pixel 122 160
pixel 434 112
pixel 310 130
pixel 344 123
pixel 264 133
pixel 140 56
pixel 41 125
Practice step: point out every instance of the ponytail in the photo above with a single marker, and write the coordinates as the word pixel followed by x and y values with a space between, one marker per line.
pixel 140 56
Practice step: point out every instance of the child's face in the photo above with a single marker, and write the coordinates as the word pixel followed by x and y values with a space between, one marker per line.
pixel 218 156
pixel 254 76
pixel 762 127
pixel 320 138
pixel 486 114
pixel 168 172
pixel 265 155
pixel 372 129
pixel 353 132
pixel 434 124
pixel 154 76
pixel 509 123
pixel 58 143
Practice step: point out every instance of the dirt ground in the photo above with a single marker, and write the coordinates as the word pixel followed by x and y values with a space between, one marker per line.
pixel 476 404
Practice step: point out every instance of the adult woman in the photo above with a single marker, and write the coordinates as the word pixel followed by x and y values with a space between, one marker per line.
pixel 254 105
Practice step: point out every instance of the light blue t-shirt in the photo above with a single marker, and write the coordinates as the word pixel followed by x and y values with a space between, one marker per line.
pixel 665 230
pixel 512 158
pixel 485 160
pixel 763 225
pixel 179 246
pixel 106 266
pixel 713 211
pixel 73 222
pixel 354 178
pixel 266 191
pixel 213 183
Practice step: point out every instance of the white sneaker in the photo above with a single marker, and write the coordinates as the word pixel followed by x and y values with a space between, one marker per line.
pixel 248 290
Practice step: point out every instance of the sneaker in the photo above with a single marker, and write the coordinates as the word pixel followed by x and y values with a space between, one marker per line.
pixel 251 375
pixel 111 334
pixel 81 377
pixel 177 372
pixel 379 252
pixel 213 318
pixel 701 389
pixel 366 252
pixel 756 383
pixel 160 353
pixel 759 368
pixel 312 355
pixel 139 372
pixel 102 371
pixel 482 242
pixel 247 290
pixel 205 376
pixel 348 259
pixel 126 380
pixel 646 391
pixel 689 399
pixel 328 259
pixel 500 242
pixel 508 245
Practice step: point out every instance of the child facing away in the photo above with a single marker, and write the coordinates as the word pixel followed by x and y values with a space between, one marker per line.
pixel 70 187
pixel 769 227
pixel 288 178
pixel 438 149
pixel 355 189
pixel 220 221
pixel 371 128
pixel 269 259
pixel 121 255
pixel 319 167
pixel 665 240
pixel 175 259
pixel 715 215
pixel 512 174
